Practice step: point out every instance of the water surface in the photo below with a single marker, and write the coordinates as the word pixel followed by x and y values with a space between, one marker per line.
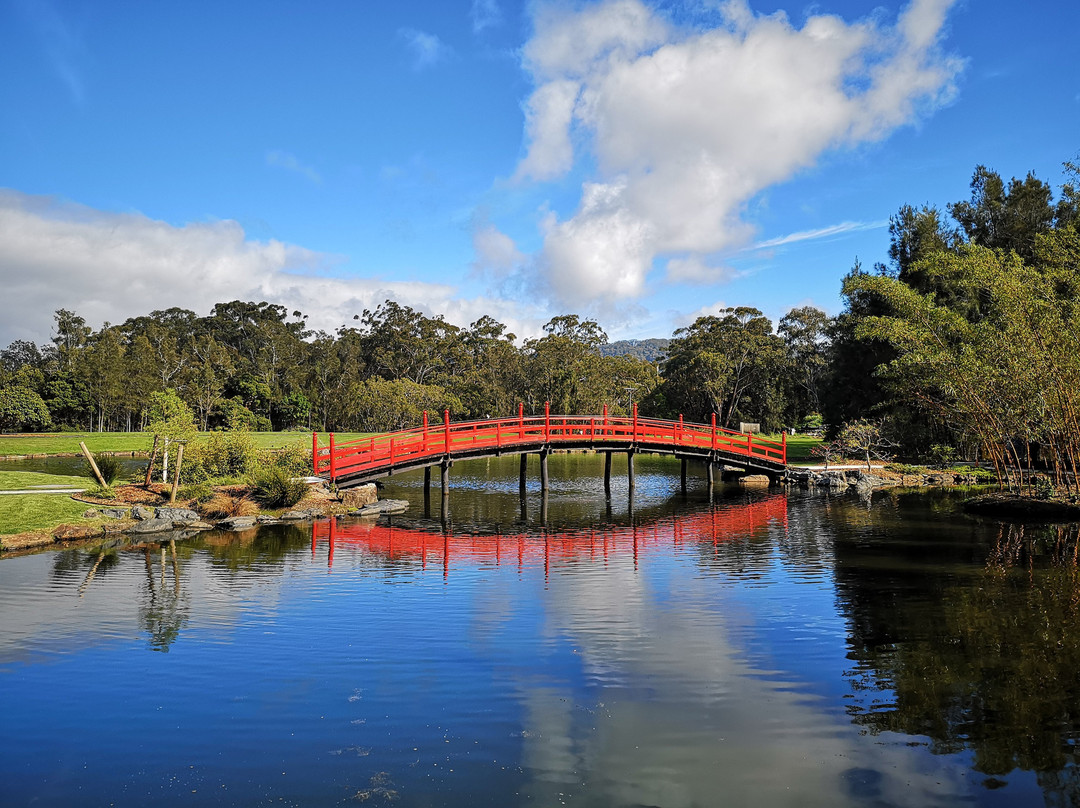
pixel 759 649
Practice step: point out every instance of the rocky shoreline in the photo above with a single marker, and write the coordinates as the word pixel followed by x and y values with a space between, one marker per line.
pixel 864 481
pixel 165 522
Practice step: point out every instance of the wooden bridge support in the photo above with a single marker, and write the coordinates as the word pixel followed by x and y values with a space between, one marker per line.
pixel 630 469
pixel 543 471
pixel 427 492
pixel 521 473
pixel 444 468
pixel 682 476
pixel 607 475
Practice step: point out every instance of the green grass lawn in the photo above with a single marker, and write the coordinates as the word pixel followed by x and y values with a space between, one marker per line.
pixel 24 512
pixel 68 442
pixel 798 447
pixel 25 480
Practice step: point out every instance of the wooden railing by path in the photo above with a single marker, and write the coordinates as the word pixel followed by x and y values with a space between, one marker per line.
pixel 433 443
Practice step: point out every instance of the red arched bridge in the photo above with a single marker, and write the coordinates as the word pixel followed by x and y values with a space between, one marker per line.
pixel 366 459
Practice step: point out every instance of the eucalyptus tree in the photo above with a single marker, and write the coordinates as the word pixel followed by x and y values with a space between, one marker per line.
pixel 564 367
pixel 805 334
pixel 731 364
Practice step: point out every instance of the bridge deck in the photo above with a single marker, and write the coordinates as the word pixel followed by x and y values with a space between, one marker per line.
pixel 381 455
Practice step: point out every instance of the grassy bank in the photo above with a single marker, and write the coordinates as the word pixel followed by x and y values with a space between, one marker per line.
pixel 798 447
pixel 27 480
pixel 25 512
pixel 55 443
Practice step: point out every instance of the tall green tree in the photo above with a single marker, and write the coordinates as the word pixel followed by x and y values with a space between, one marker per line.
pixel 731 364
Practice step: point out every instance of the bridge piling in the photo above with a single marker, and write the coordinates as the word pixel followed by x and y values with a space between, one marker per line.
pixel 543 471
pixel 444 469
pixel 522 466
pixel 607 469
pixel 682 474
pixel 427 491
pixel 630 468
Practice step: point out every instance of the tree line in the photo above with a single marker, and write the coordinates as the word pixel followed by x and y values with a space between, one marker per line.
pixel 257 366
pixel 965 339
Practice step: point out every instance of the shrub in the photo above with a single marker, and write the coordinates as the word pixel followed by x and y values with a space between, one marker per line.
pixel 220 455
pixel 109 466
pixel 294 459
pixel 101 492
pixel 222 505
pixel 942 454
pixel 198 492
pixel 905 468
pixel 276 488
pixel 981 475
pixel 1042 487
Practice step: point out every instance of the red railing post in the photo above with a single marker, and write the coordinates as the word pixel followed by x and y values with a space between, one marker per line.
pixel 604 433
pixel 446 428
pixel 635 423
pixel 521 420
pixel 678 439
pixel 783 446
pixel 391 452
pixel 592 430
pixel 498 435
pixel 315 453
pixel 547 422
pixel 750 444
pixel 714 431
pixel 333 460
pixel 425 431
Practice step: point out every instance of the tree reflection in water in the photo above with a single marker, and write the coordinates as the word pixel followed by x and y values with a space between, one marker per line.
pixel 992 665
pixel 164 610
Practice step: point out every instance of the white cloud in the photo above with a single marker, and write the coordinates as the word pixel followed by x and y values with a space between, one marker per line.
pixel 822 232
pixel 496 252
pixel 485 14
pixel 427 49
pixel 283 159
pixel 686 126
pixel 548 114
pixel 111 266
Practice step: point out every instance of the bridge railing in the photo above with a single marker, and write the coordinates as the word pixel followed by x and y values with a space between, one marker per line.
pixel 408 446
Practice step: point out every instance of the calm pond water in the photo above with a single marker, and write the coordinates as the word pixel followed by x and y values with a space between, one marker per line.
pixel 762 649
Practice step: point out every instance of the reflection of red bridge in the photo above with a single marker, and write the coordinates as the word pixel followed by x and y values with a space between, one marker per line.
pixel 368 458
pixel 409 545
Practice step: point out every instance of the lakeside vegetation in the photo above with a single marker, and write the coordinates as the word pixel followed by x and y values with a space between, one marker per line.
pixel 964 345
pixel 56 443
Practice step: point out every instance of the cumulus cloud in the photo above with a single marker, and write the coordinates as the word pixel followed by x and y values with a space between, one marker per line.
pixel 111 266
pixel 496 252
pixel 685 126
pixel 427 49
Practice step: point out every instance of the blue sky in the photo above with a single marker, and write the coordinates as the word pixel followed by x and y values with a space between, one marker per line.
pixel 639 162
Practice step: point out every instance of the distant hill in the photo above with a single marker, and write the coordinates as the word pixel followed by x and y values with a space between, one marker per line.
pixel 651 350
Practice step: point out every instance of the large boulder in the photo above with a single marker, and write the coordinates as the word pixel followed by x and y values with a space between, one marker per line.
pixel 383 506
pixel 237 523
pixel 141 512
pixel 152 526
pixel 176 514
pixel 360 497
